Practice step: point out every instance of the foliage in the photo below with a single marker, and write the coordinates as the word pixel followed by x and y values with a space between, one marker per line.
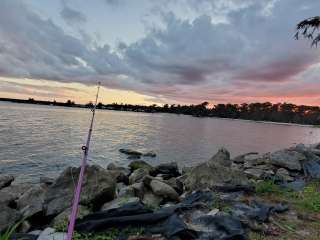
pixel 111 234
pixel 267 187
pixel 308 199
pixel 7 235
pixel 307 29
pixel 279 112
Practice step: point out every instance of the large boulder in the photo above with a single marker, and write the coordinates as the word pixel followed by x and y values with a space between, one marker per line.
pixel 8 217
pixel 5 180
pixel 119 202
pixel 152 200
pixel 63 218
pixel 136 164
pixel 138 175
pixel 288 159
pixel 31 202
pixel 9 195
pixel 163 190
pixel 221 158
pixel 214 173
pixel 167 170
pixel 98 187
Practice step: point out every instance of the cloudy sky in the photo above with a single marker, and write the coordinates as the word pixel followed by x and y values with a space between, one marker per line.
pixel 165 51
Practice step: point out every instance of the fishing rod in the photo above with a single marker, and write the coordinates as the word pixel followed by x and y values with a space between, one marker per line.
pixel 77 193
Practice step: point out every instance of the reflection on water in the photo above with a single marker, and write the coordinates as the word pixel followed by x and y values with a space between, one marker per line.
pixel 41 140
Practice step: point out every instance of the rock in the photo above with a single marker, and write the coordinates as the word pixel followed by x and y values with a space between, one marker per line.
pixel 5 180
pixel 31 202
pixel 119 202
pixel 163 190
pixel 297 185
pixel 50 234
pixel 7 198
pixel 8 195
pixel 134 165
pixel 152 200
pixel 46 180
pixel 246 157
pixel 176 184
pixel 126 191
pixel 283 175
pixel 132 157
pixel 24 227
pixel 311 169
pixel 150 154
pixel 8 217
pixel 287 159
pixel 254 173
pixel 139 189
pixel 138 175
pixel 222 158
pixel 98 187
pixel 130 152
pixel 213 212
pixel 63 218
pixel 211 175
pixel 167 169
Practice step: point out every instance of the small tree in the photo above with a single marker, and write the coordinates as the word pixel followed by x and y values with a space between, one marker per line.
pixel 309 29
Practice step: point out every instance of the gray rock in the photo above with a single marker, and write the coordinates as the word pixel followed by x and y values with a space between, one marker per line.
pixel 31 202
pixel 152 200
pixel 246 157
pixel 139 189
pixel 13 192
pixel 287 159
pixel 150 154
pixel 126 191
pixel 46 180
pixel 211 174
pixel 130 152
pixel 99 187
pixel 254 173
pixel 63 218
pixel 163 190
pixel 8 217
pixel 283 175
pixel 167 170
pixel 138 175
pixel 119 202
pixel 176 184
pixel 5 180
pixel 134 165
pixel 50 234
pixel 221 158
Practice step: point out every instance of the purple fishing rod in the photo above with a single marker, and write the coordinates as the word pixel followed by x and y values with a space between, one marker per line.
pixel 77 193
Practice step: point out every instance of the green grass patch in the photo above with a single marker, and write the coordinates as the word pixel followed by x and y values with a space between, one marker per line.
pixel 111 234
pixel 11 230
pixel 308 199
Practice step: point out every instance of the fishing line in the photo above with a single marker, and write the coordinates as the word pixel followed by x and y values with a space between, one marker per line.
pixel 77 193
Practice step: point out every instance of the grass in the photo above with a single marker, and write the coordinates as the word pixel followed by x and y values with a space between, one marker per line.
pixel 111 234
pixel 7 234
pixel 308 199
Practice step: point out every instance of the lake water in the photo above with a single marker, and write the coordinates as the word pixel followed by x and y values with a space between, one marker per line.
pixel 42 140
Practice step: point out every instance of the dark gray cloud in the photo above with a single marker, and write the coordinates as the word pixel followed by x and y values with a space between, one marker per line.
pixel 237 48
pixel 72 16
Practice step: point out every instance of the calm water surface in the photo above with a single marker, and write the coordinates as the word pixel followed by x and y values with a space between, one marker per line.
pixel 41 140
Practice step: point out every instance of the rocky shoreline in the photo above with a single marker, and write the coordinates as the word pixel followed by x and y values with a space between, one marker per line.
pixel 222 198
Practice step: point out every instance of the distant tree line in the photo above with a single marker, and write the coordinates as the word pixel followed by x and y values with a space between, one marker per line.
pixel 279 112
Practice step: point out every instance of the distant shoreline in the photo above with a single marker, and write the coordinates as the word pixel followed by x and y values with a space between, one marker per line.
pixel 149 109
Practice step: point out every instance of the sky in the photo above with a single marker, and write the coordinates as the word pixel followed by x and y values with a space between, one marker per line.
pixel 164 51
